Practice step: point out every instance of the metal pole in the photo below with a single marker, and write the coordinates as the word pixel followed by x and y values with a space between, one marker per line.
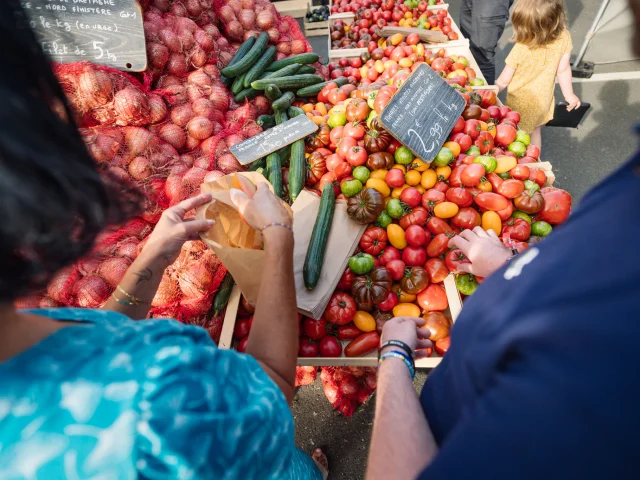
pixel 592 32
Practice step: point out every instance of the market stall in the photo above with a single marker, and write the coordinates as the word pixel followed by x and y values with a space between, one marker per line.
pixel 383 155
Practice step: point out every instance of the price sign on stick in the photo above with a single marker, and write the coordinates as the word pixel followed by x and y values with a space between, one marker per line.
pixel 106 32
pixel 273 139
pixel 423 112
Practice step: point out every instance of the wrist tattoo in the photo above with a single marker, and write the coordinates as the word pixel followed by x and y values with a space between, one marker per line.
pixel 143 275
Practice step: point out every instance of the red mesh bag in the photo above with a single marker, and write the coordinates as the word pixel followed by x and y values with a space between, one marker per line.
pixel 199 11
pixel 213 325
pixel 306 375
pixel 348 387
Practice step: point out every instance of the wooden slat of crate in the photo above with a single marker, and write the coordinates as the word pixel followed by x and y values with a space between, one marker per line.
pixel 295 8
pixel 316 29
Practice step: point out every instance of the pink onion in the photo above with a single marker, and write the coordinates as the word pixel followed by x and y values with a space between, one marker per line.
pixel 181 114
pixel 113 269
pixel 187 24
pixel 227 14
pixel 284 47
pixel 228 164
pixel 177 64
pixel 48 302
pixel 168 80
pixel 262 104
pixel 178 9
pixel 200 78
pixel 157 108
pixel 266 20
pixel 203 107
pixel 61 284
pixel 91 291
pixel 177 94
pixel 171 40
pixel 202 162
pixel 158 54
pixel 205 40
pixel 247 18
pixel 212 176
pixel 187 159
pixel 197 57
pixel 140 168
pixel 236 5
pixel 192 143
pixel 131 106
pixel 186 37
pixel 193 8
pixel 173 135
pixel 128 248
pixel 194 92
pixel 162 5
pixel 159 160
pixel 194 279
pixel 234 30
pixel 200 128
pixel 298 46
pixel 274 34
pixel 94 87
pixel 167 292
pixel 212 30
pixel 220 98
pixel 248 34
pixel 249 4
pixel 138 140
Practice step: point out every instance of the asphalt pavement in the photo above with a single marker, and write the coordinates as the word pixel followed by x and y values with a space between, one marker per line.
pixel 580 158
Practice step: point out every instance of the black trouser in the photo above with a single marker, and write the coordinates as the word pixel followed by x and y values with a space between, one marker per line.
pixel 482 22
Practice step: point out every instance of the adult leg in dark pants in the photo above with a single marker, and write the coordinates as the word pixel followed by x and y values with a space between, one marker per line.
pixel 482 22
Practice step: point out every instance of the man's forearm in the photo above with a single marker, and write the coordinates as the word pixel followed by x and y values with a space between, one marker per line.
pixel 402 443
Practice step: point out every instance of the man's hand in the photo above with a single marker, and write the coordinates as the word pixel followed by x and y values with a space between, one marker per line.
pixel 484 250
pixel 407 330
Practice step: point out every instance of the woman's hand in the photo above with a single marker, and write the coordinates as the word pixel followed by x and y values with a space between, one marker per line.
pixel 483 248
pixel 261 210
pixel 173 229
pixel 406 330
pixel 573 101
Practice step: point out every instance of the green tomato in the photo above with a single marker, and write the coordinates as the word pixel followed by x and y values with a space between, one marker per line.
pixel 466 283
pixel 361 264
pixel 473 151
pixel 337 119
pixel 384 220
pixel 394 208
pixel 432 2
pixel 371 98
pixel 361 173
pixel 522 215
pixel 504 175
pixel 404 156
pixel 443 158
pixel 541 229
pixel 518 148
pixel 477 82
pixel 488 162
pixel 351 188
pixel 523 137
pixel 531 185
pixel 463 61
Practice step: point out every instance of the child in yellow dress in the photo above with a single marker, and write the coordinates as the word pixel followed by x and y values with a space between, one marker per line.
pixel 542 52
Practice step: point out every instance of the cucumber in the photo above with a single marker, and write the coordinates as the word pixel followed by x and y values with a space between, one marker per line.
pixel 272 92
pixel 280 116
pixel 246 94
pixel 293 82
pixel 222 295
pixel 283 102
pixel 266 121
pixel 260 66
pixel 260 163
pixel 238 86
pixel 247 61
pixel 313 90
pixel 249 93
pixel 283 72
pixel 274 164
pixel 241 52
pixel 307 69
pixel 297 169
pixel 294 112
pixel 302 59
pixel 318 243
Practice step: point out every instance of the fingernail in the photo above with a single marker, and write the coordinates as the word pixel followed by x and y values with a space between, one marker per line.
pixel 211 223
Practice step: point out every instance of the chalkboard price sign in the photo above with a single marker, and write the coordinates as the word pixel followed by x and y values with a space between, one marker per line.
pixel 106 32
pixel 273 139
pixel 423 112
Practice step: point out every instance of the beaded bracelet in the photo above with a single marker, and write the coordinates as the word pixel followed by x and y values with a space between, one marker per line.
pixel 399 344
pixel 276 224
pixel 405 358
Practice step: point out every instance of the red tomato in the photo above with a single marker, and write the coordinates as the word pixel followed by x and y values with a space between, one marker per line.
pixel 455 177
pixel 390 253
pixel 346 281
pixel 460 196
pixel 417 216
pixel 511 188
pixel 307 348
pixel 242 328
pixel 441 186
pixel 341 309
pixel 414 256
pixel 464 140
pixel 532 151
pixel 365 343
pixel 354 130
pixel 388 303
pixel 472 128
pixel 315 329
pixel 438 225
pixel 494 180
pixel 467 218
pixel 538 176
pixel 343 170
pixel 415 236
pixel 442 346
pixel 557 205
pixel 393 146
pixel 491 201
pixel 373 240
pixel 431 198
pixel 394 178
pixel 332 161
pixel 505 134
pixel 242 345
pixel 348 332
pixel 471 175
pixel 330 347
pixel 438 246
pixel 336 96
pixel 336 135
pixel 516 229
pixel 506 213
pixel 411 196
pixel 357 156
pixel 520 172
pixel 437 270
pixel 396 269
pixel 345 145
pixel 329 177
pixel 433 298
pixel 484 142
pixel 454 259
pixel 459 126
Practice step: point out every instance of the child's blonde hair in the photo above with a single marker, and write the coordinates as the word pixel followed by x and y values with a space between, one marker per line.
pixel 537 23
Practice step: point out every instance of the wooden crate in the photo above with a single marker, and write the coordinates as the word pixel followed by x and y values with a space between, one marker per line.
pixel 371 360
pixel 294 8
pixel 315 29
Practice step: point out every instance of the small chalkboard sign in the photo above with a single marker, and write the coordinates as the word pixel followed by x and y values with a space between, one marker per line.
pixel 106 32
pixel 423 112
pixel 273 139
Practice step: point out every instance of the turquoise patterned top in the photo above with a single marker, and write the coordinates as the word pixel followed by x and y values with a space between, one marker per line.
pixel 112 398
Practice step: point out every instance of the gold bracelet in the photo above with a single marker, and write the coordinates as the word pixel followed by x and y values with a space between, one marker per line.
pixel 135 300
pixel 122 302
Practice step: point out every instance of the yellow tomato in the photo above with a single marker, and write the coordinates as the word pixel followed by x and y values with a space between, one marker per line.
pixel 420 50
pixel 389 63
pixel 378 174
pixel 395 39
pixel 400 167
pixel 379 185
pixel 491 221
pixel 484 185
pixel 492 130
pixel 321 107
pixel 396 192
pixel 421 189
pixel 403 297
pixel 483 126
pixel 406 310
pixel 429 179
pixel 364 71
pixel 395 233
pixel 382 43
pixel 454 147
pixel 445 210
pixel 379 66
pixel 307 107
pixel 401 22
pixel 443 173
pixel 408 15
pixel 364 321
pixel 318 120
pixel 405 62
pixel 413 177
pixel 505 164
pixel 419 165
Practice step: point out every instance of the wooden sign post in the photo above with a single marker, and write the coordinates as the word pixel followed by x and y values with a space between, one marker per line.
pixel 423 112
pixel 273 139
pixel 106 32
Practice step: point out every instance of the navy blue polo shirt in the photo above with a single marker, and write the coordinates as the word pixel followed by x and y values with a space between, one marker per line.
pixel 542 380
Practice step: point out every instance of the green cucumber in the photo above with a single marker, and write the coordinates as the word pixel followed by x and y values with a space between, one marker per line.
pixel 241 52
pixel 247 61
pixel 283 102
pixel 293 82
pixel 283 72
pixel 249 93
pixel 260 163
pixel 222 295
pixel 274 164
pixel 302 59
pixel 266 121
pixel 238 86
pixel 272 92
pixel 294 112
pixel 280 116
pixel 297 169
pixel 246 94
pixel 260 66
pixel 313 90
pixel 307 69
pixel 318 243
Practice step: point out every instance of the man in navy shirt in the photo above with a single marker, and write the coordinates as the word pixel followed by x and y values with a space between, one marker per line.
pixel 542 380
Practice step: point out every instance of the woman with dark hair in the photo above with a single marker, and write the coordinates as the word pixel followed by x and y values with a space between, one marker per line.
pixel 91 393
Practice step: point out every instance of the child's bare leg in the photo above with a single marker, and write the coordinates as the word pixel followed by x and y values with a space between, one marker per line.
pixel 536 137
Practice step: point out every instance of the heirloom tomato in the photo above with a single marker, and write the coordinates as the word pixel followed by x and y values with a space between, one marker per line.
pixel 557 205
pixel 417 216
pixel 437 225
pixel 357 110
pixel 389 253
pixel 341 308
pixel 466 284
pixel 315 329
pixel 529 202
pixel 438 245
pixel 349 332
pixel 388 303
pixel 361 263
pixel 433 298
pixel 491 201
pixel 438 325
pixel 516 229
pixel 414 256
pixel 415 235
pixel 454 258
pixel 460 196
pixel 467 218
pixel 373 240
pixel 410 196
pixel 364 321
pixel 436 269
pixel 396 269
pixel 346 280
